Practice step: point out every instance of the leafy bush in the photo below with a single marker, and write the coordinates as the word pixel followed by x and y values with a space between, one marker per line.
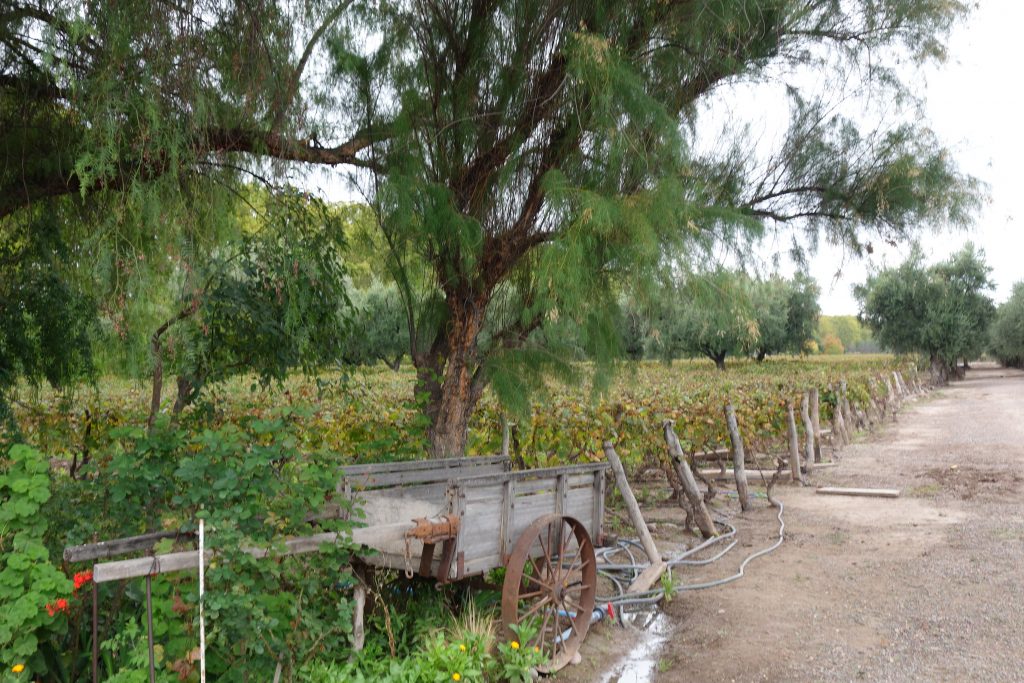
pixel 255 488
pixel 33 592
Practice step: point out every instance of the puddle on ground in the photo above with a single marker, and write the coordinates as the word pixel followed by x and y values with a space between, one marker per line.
pixel 641 664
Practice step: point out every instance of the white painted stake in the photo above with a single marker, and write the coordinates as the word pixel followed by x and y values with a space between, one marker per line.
pixel 202 620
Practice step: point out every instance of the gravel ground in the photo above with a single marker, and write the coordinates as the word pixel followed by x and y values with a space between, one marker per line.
pixel 926 587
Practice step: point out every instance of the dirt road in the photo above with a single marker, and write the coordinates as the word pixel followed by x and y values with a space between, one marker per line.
pixel 926 587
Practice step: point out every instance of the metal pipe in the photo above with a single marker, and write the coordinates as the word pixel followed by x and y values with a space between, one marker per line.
pixel 95 634
pixel 149 624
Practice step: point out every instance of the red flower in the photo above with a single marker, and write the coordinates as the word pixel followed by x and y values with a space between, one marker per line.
pixel 82 578
pixel 61 605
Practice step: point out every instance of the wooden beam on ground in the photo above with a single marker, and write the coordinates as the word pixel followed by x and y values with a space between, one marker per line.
pixel 753 478
pixel 648 578
pixel 871 493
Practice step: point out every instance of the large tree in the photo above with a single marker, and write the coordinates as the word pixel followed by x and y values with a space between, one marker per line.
pixel 941 311
pixel 1007 332
pixel 523 157
pixel 711 315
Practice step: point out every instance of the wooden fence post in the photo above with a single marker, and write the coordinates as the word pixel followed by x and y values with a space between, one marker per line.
pixel 738 458
pixel 632 506
pixel 892 397
pixel 815 408
pixel 658 566
pixel 700 510
pixel 809 432
pixel 844 402
pixel 794 445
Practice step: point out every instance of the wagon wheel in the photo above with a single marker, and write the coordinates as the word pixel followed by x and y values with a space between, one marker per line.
pixel 551 580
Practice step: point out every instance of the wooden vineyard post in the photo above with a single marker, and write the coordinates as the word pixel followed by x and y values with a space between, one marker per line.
pixel 809 432
pixel 632 507
pixel 700 510
pixel 838 420
pixel 658 566
pixel 844 402
pixel 738 458
pixel 892 399
pixel 794 445
pixel 815 408
pixel 358 632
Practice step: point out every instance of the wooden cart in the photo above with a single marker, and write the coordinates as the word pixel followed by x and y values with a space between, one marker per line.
pixel 539 525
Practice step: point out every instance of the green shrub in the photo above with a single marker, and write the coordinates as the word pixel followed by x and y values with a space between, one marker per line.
pixel 255 488
pixel 33 592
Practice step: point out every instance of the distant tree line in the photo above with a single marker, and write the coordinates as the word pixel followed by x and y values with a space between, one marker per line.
pixel 1006 337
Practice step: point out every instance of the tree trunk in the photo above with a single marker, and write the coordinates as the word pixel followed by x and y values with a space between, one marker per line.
pixel 156 344
pixel 452 379
pixel 939 373
pixel 760 355
pixel 719 359
pixel 187 392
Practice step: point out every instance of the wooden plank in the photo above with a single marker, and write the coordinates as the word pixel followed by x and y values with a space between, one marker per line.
pixel 189 560
pixel 716 454
pixel 873 493
pixel 648 578
pixel 420 476
pixel 597 521
pixel 120 546
pixel 415 465
pixel 508 512
pixel 522 476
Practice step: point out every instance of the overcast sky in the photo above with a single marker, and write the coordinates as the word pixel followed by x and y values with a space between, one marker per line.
pixel 974 107
pixel 975 104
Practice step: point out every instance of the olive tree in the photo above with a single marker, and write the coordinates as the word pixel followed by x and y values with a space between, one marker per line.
pixel 940 311
pixel 1007 332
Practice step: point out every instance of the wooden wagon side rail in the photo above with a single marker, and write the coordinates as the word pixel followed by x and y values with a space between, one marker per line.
pixel 436 528
pixel 418 472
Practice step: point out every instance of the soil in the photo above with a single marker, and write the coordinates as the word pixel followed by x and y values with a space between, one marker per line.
pixel 925 587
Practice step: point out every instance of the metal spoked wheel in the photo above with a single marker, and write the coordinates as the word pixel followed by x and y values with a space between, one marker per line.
pixel 550 583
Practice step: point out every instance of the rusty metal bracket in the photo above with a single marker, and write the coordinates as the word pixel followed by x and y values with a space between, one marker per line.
pixel 432 530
